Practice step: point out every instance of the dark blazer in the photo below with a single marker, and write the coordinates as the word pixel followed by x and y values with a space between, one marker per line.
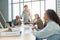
pixel 39 23
pixel 16 23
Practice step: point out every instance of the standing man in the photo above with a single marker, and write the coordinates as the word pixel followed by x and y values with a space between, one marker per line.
pixel 26 14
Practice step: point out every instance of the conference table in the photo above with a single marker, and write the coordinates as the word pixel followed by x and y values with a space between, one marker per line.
pixel 23 37
pixel 23 33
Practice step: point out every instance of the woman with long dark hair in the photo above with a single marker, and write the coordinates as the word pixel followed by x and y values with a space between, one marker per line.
pixel 53 16
pixel 51 28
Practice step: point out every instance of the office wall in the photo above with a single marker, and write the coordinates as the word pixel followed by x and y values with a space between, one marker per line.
pixel 4 8
pixel 0 4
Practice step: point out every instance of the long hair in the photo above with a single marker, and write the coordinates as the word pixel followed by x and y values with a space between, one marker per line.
pixel 53 16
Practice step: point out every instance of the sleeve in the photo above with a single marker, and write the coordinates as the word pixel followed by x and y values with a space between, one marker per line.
pixel 30 15
pixel 22 13
pixel 46 32
pixel 35 21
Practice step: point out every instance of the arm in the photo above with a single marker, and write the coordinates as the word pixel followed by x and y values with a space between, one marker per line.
pixel 22 14
pixel 30 14
pixel 46 32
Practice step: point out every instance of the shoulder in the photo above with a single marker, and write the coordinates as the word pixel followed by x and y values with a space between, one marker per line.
pixel 52 24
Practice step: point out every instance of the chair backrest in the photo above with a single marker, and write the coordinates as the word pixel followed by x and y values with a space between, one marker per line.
pixel 2 19
pixel 54 37
pixel 10 23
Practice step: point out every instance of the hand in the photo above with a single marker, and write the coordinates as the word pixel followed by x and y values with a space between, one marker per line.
pixel 33 28
pixel 27 22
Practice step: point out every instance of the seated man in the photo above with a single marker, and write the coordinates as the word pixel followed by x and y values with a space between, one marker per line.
pixel 17 21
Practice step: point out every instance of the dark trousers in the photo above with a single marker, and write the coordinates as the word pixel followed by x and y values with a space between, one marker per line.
pixel 38 38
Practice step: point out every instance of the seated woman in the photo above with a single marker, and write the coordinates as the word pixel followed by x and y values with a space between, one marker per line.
pixel 17 21
pixel 52 27
pixel 37 21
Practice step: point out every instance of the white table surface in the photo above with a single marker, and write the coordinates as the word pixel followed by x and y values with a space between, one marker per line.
pixel 26 35
pixel 22 37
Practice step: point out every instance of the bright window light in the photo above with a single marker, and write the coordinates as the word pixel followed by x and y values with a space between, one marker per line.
pixel 15 1
pixel 42 10
pixel 27 0
pixel 15 10
pixel 9 10
pixel 35 8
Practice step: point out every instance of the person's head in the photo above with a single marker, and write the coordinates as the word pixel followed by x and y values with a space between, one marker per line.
pixel 25 6
pixel 37 16
pixel 51 15
pixel 17 17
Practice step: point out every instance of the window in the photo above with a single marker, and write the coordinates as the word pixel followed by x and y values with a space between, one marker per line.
pixel 15 10
pixel 27 0
pixel 34 6
pixel 51 4
pixel 15 1
pixel 42 10
pixel 15 7
pixel 9 8
pixel 21 8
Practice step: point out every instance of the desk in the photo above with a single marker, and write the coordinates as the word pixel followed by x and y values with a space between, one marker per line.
pixel 24 36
